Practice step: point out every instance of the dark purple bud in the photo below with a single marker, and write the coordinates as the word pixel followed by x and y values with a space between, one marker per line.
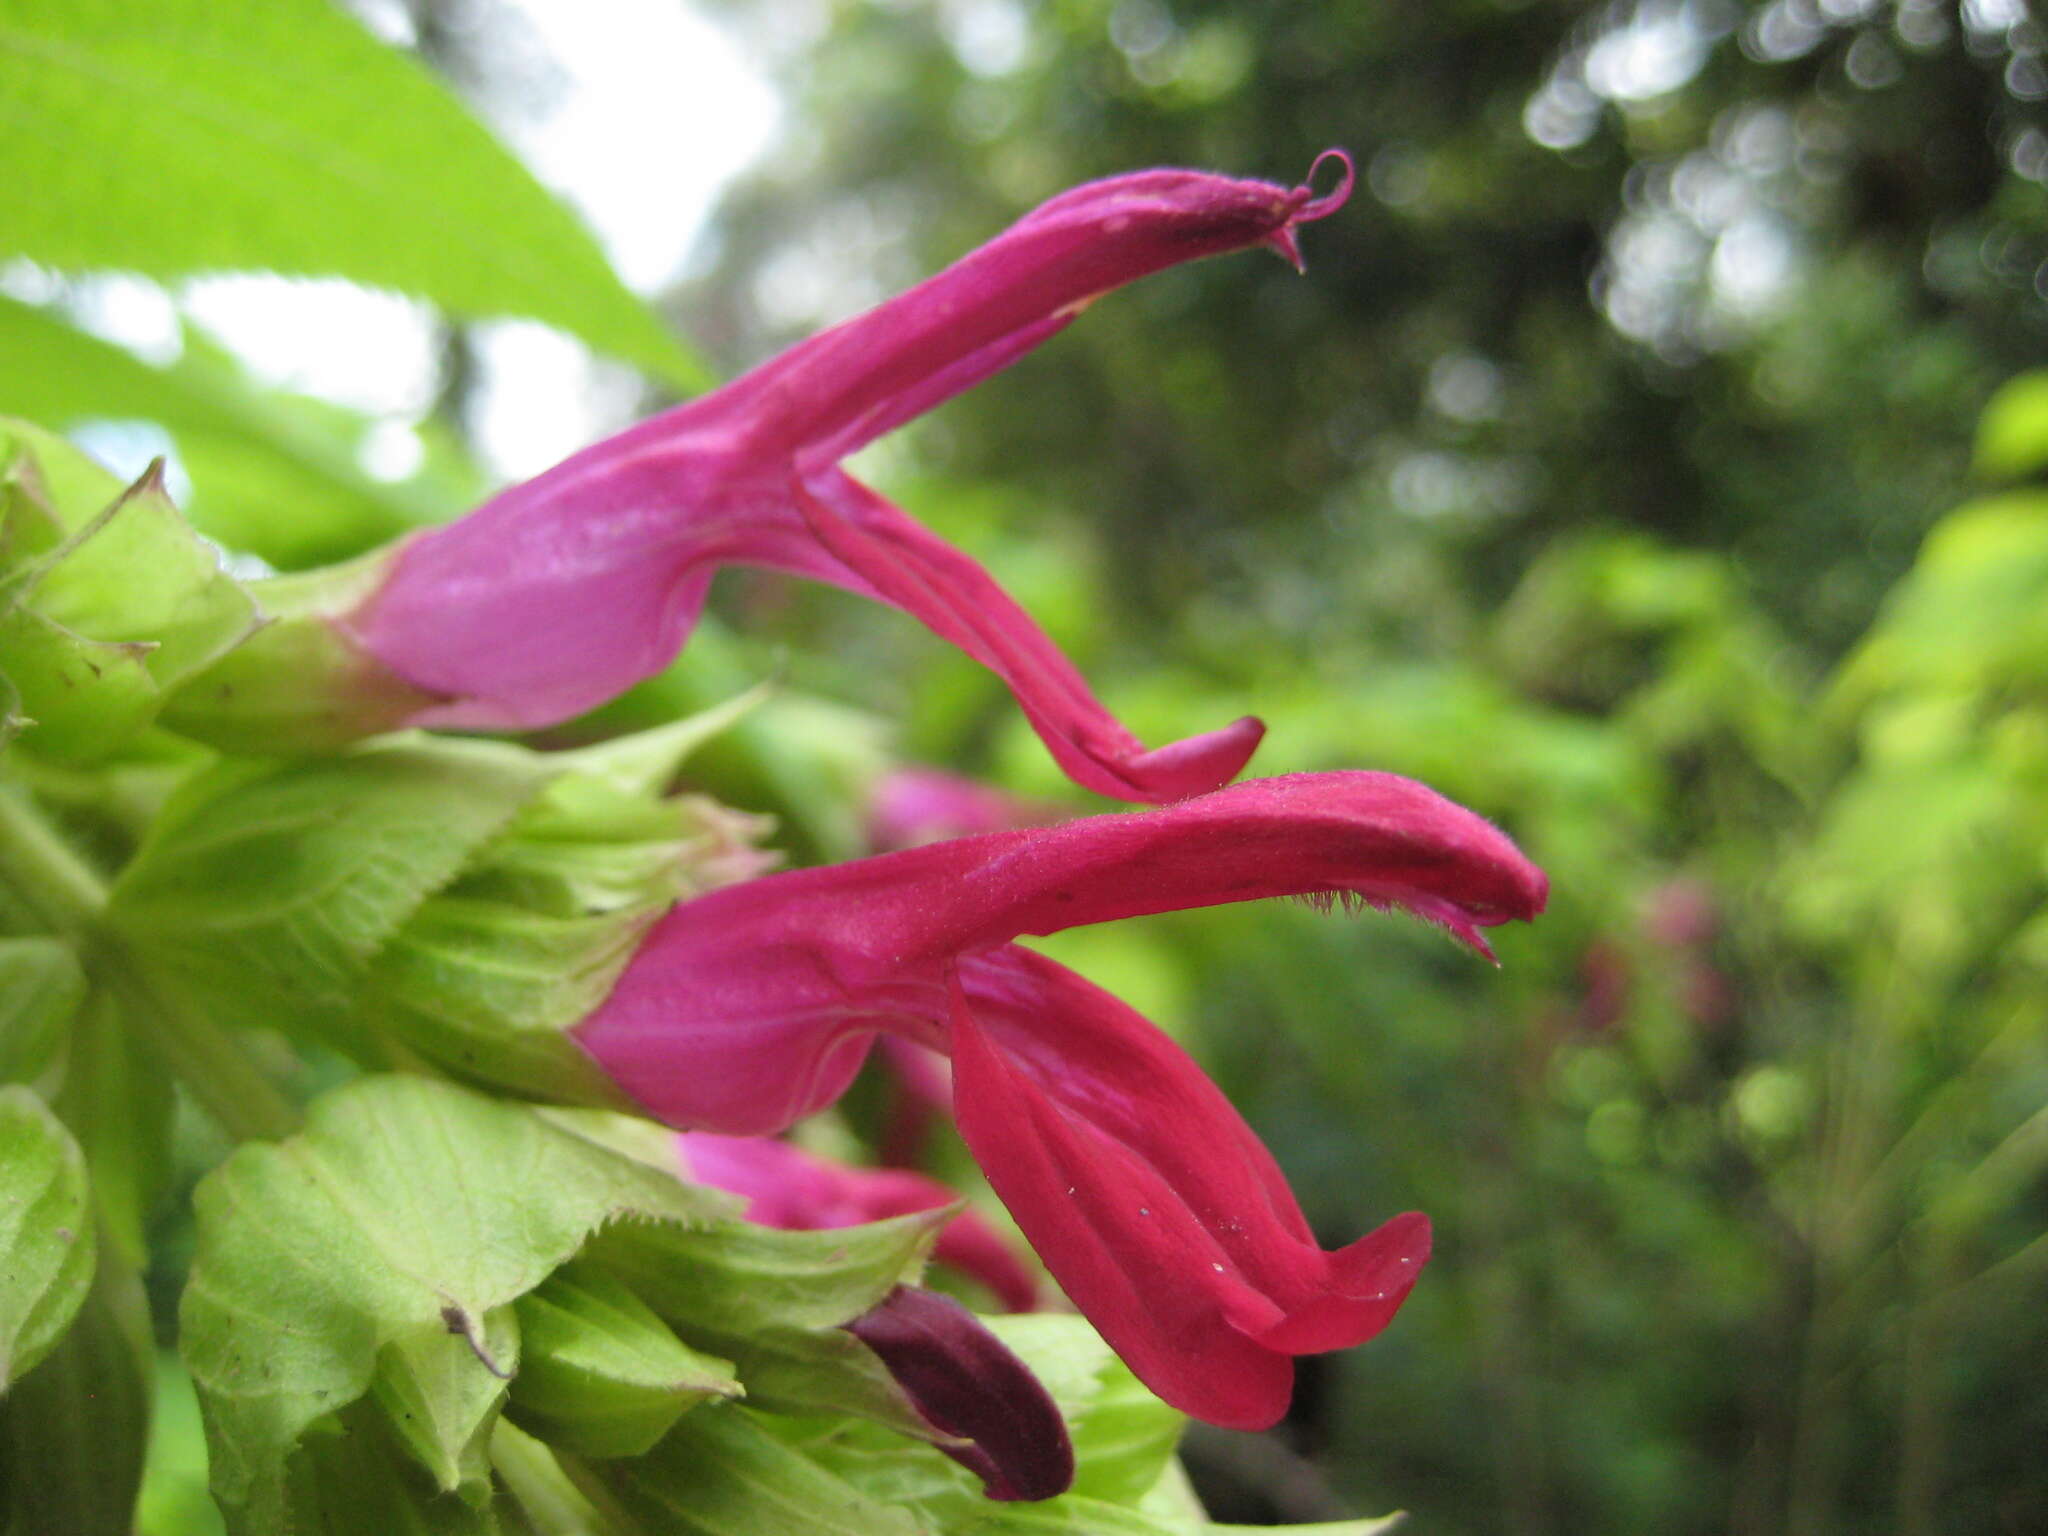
pixel 968 1383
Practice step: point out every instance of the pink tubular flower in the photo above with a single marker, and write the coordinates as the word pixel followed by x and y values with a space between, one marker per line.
pixel 560 592
pixel 785 1186
pixel 1149 1199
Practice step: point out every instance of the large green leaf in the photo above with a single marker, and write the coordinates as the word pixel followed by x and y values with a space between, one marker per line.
pixel 172 137
pixel 46 1247
pixel 407 1212
pixel 274 474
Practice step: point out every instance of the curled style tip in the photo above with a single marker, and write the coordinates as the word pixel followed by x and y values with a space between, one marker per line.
pixel 1308 207
pixel 1322 207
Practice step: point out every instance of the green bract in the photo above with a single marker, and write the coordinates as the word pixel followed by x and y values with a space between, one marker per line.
pixel 108 600
pixel 384 1247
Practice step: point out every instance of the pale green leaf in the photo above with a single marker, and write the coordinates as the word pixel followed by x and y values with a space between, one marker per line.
pixel 172 137
pixel 143 575
pixel 125 604
pixel 352 1477
pixel 46 1238
pixel 404 1206
pixel 601 1375
pixel 644 762
pixel 75 698
pixel 744 1277
pixel 298 686
pixel 268 887
pixel 720 1473
pixel 51 488
pixel 1124 1437
pixel 440 1406
pixel 773 1303
pixel 552 1503
pixel 488 992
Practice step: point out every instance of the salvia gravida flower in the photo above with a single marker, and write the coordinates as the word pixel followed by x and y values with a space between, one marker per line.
pixel 1154 1206
pixel 964 1380
pixel 785 1186
pixel 562 591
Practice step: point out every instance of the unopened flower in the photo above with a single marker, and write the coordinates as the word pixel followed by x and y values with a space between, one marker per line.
pixel 785 1186
pixel 560 592
pixel 965 1381
pixel 971 1385
pixel 1146 1195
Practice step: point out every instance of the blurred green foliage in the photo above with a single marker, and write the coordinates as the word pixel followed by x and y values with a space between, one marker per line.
pixel 1650 460
pixel 1611 471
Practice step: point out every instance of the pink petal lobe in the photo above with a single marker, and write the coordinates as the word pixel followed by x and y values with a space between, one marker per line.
pixel 1128 1252
pixel 1151 1201
pixel 904 565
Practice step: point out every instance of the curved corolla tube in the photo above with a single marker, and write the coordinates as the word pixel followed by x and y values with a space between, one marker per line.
pixel 560 592
pixel 1145 1194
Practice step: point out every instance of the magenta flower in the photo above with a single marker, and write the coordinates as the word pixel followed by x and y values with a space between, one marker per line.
pixel 560 592
pixel 1147 1197
pixel 785 1186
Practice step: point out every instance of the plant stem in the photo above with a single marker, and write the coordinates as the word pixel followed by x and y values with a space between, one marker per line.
pixel 68 898
pixel 45 875
pixel 214 1063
